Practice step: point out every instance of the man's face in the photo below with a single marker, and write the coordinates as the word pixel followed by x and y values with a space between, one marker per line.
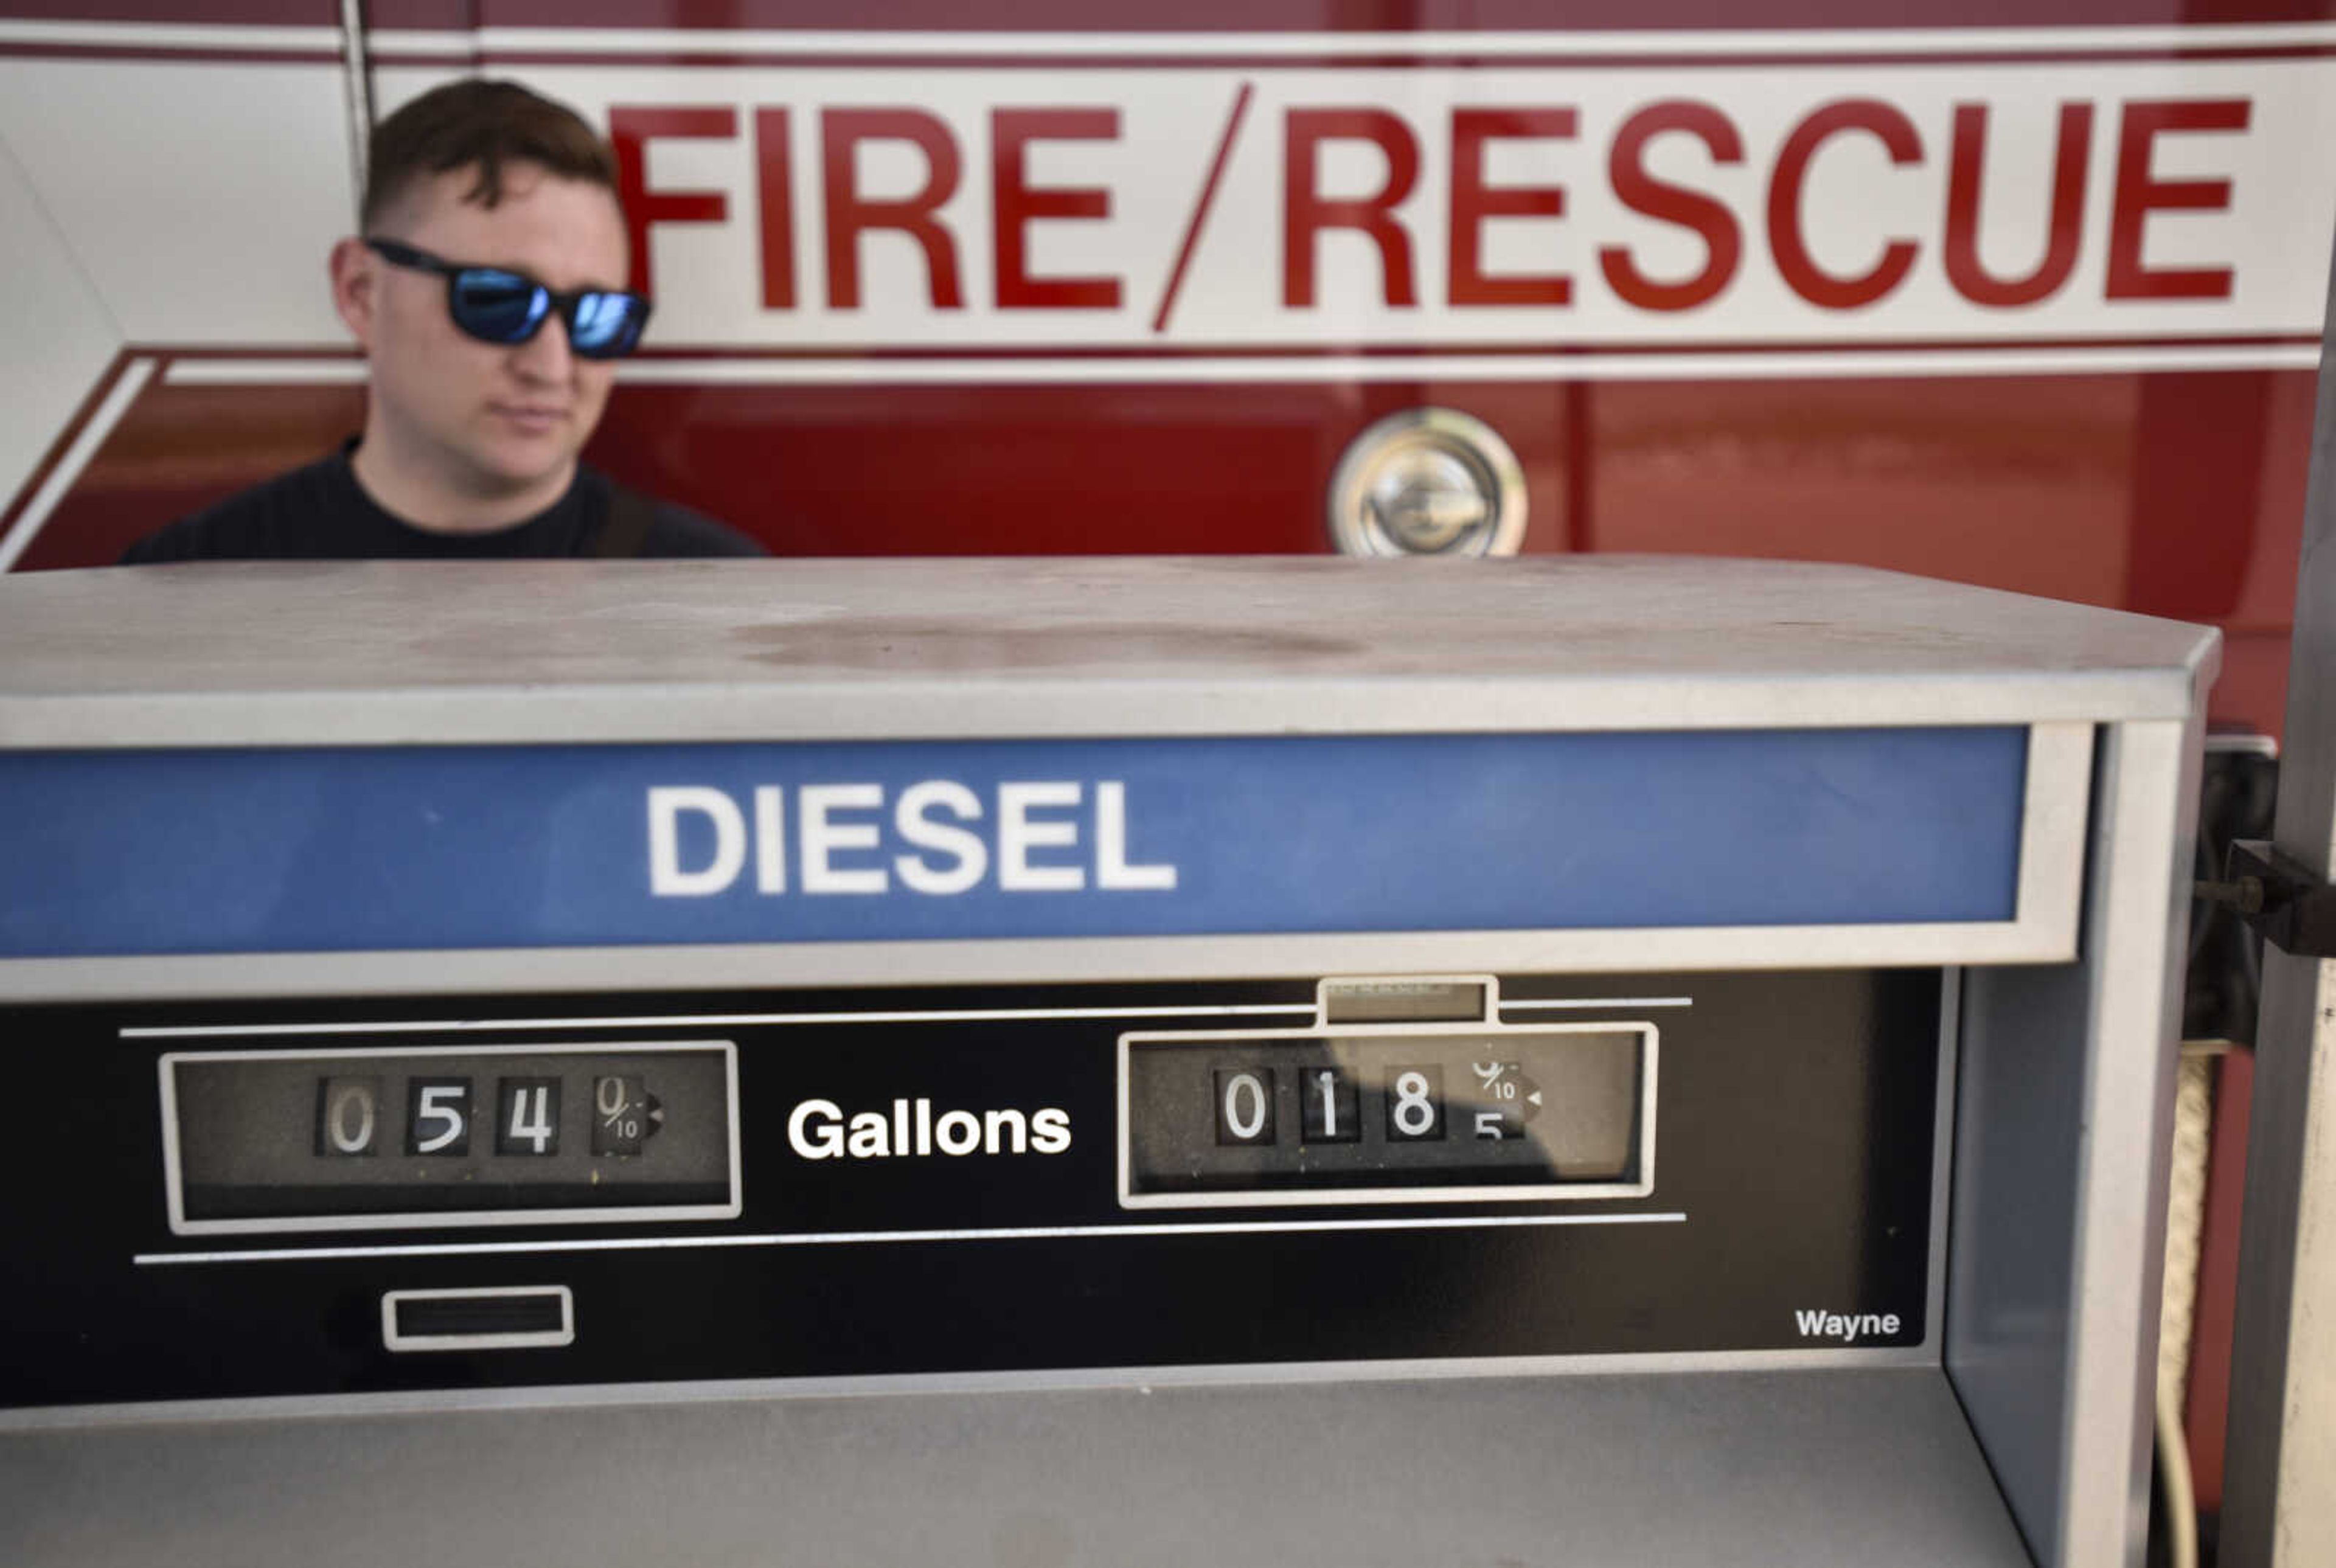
pixel 491 419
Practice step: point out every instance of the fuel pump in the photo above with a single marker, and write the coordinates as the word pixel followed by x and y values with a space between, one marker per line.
pixel 1617 1060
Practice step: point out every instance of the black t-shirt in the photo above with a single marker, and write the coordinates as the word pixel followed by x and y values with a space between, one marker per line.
pixel 321 512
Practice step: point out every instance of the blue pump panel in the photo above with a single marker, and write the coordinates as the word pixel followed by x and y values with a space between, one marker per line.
pixel 313 850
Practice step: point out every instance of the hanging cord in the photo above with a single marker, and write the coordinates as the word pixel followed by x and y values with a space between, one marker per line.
pixel 2180 1506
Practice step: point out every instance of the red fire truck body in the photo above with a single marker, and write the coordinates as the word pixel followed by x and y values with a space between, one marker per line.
pixel 2026 298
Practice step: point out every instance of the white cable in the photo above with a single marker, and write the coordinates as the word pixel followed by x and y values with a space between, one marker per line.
pixel 2174 1484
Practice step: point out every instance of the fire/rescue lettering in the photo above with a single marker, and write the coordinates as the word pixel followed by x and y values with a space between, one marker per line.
pixel 1786 240
pixel 1969 274
pixel 849 214
pixel 1019 202
pixel 2140 193
pixel 1473 201
pixel 774 168
pixel 1732 196
pixel 630 130
pixel 1723 240
pixel 1305 212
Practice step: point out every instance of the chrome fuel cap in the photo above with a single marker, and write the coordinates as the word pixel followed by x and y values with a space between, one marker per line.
pixel 1429 481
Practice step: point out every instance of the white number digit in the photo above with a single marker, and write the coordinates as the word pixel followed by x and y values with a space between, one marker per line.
pixel 336 1119
pixel 1245 1128
pixel 537 1130
pixel 1328 1081
pixel 438 1102
pixel 1415 1113
pixel 608 1095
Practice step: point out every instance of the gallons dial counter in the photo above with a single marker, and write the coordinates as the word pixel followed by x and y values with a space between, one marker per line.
pixel 1346 1062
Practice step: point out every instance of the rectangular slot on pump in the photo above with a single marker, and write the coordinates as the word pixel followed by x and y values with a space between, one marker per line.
pixel 1404 999
pixel 477 1320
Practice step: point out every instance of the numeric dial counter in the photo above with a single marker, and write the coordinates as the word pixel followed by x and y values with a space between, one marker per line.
pixel 1406 1113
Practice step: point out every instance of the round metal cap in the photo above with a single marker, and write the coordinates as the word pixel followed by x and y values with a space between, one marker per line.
pixel 1429 481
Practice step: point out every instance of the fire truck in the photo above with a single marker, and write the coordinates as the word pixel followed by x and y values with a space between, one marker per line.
pixel 2028 298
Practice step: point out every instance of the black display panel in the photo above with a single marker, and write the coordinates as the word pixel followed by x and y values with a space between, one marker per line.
pixel 929 1180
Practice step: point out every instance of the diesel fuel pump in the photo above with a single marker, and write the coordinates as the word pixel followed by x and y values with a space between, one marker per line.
pixel 1599 1060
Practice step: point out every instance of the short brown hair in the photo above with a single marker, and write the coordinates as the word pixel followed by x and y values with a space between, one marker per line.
pixel 486 124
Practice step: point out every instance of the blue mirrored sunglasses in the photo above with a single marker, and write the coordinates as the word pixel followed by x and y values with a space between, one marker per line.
pixel 494 305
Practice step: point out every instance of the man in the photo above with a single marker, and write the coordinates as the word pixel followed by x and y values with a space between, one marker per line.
pixel 487 292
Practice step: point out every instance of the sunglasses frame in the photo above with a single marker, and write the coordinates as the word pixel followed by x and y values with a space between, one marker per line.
pixel 397 253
